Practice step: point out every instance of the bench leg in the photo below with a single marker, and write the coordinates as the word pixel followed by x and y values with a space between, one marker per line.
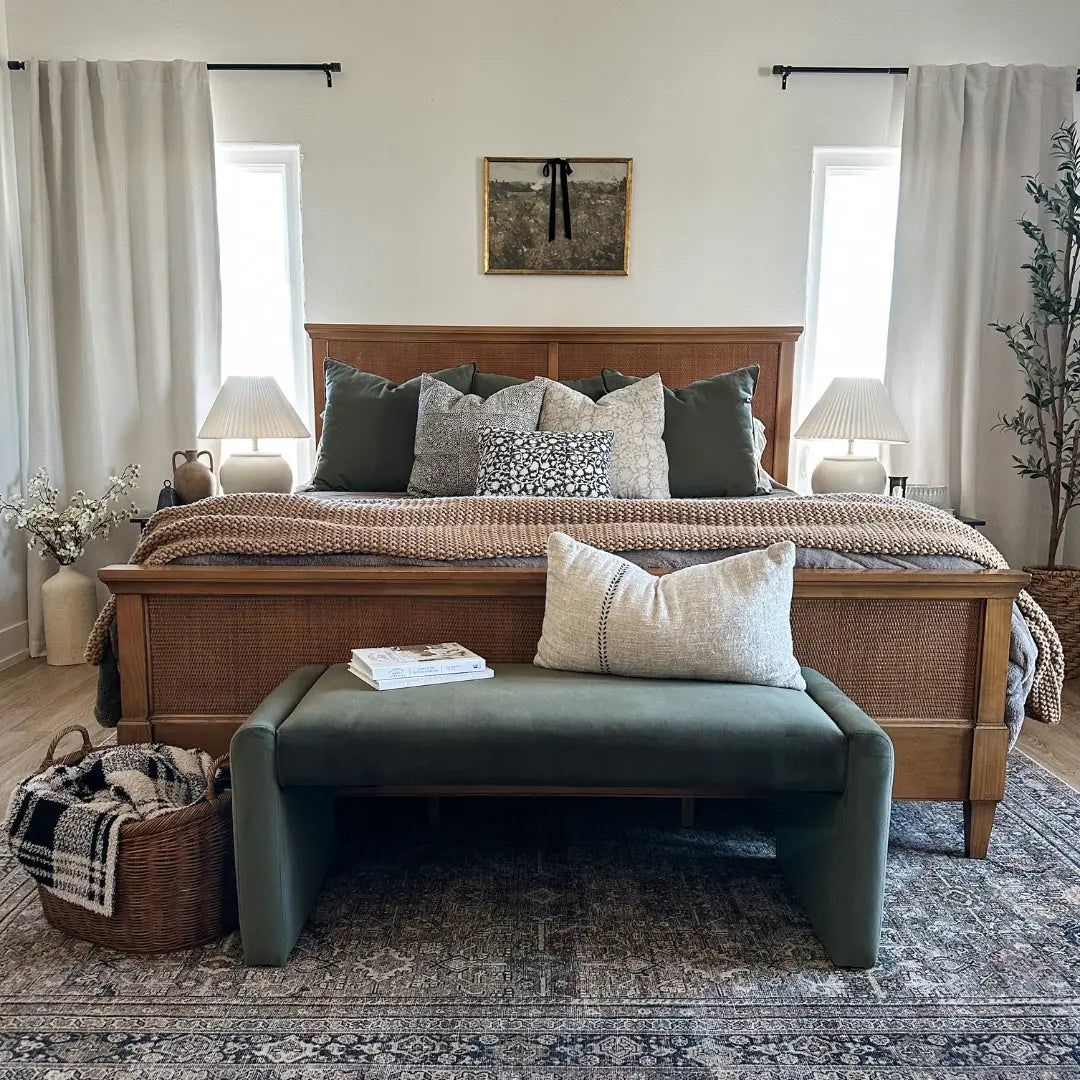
pixel 832 847
pixel 978 824
pixel 283 836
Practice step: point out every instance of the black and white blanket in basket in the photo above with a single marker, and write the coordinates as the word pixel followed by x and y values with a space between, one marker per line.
pixel 63 825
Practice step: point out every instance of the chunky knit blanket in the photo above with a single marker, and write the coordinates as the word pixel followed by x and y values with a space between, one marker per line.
pixel 63 824
pixel 460 529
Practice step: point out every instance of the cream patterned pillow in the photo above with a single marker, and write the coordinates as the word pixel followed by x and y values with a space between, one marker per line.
pixel 726 621
pixel 635 414
pixel 448 425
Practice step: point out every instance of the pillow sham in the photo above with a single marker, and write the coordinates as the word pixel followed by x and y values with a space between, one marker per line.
pixel 549 464
pixel 486 383
pixel 708 432
pixel 369 426
pixel 635 416
pixel 448 426
pixel 726 621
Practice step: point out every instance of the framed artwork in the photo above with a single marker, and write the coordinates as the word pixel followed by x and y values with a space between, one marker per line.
pixel 557 216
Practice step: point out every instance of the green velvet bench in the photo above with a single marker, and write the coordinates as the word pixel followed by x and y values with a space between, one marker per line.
pixel 529 730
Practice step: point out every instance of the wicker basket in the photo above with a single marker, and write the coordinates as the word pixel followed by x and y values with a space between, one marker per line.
pixel 175 875
pixel 1057 592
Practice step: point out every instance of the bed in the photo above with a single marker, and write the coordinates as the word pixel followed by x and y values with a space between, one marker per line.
pixel 925 652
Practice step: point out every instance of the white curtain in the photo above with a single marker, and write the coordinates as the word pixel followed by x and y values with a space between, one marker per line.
pixel 971 133
pixel 123 285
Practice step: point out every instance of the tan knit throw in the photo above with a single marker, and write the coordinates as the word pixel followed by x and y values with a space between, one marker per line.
pixel 484 528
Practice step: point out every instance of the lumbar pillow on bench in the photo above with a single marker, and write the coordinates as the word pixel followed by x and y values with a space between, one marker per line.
pixel 555 464
pixel 728 621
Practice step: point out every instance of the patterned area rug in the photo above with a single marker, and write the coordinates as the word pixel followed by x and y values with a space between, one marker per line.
pixel 590 939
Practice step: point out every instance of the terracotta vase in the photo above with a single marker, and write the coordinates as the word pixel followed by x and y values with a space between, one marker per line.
pixel 191 478
pixel 69 607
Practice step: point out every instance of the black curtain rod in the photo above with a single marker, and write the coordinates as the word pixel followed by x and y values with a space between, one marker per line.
pixel 328 69
pixel 785 70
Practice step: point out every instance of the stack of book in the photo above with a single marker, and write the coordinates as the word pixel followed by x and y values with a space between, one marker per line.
pixel 397 666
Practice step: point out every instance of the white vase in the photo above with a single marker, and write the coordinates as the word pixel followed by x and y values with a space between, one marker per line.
pixel 69 606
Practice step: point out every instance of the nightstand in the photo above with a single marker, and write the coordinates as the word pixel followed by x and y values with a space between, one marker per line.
pixel 974 522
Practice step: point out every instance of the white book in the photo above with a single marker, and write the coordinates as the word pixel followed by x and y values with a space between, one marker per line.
pixel 421 680
pixel 412 661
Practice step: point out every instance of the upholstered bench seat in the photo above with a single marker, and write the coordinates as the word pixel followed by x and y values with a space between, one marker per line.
pixel 826 764
pixel 532 727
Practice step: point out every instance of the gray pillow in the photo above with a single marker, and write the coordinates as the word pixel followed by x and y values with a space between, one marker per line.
pixel 639 466
pixel 448 426
pixel 369 427
pixel 709 434
pixel 726 621
pixel 545 464
pixel 486 383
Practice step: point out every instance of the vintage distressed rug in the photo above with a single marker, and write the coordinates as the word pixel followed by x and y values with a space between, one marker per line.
pixel 570 939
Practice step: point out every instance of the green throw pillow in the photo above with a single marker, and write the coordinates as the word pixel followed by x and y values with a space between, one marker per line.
pixel 485 383
pixel 369 427
pixel 709 434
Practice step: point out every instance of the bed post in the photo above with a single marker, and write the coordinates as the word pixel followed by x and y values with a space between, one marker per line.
pixel 133 634
pixel 990 739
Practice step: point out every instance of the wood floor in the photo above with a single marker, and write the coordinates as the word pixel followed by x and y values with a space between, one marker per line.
pixel 36 701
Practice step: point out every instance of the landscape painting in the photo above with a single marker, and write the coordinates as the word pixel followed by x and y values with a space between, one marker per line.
pixel 588 232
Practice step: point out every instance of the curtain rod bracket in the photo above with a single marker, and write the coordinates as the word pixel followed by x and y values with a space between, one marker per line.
pixel 785 71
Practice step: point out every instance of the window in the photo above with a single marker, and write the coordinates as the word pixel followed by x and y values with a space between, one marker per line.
pixel 849 277
pixel 262 292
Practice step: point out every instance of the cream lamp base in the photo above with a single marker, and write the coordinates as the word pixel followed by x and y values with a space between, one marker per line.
pixel 255 470
pixel 847 472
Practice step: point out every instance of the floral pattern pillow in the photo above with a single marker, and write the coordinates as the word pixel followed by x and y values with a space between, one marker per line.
pixel 635 416
pixel 552 464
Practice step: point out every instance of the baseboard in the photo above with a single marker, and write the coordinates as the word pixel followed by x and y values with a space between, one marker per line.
pixel 14 644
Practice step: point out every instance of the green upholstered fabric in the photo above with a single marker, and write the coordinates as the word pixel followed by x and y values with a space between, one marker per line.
pixel 708 432
pixel 532 726
pixel 486 383
pixel 282 837
pixel 369 426
pixel 833 850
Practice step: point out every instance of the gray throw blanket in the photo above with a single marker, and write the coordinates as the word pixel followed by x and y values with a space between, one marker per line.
pixel 63 824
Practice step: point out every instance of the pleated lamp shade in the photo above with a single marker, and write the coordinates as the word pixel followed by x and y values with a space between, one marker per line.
pixel 252 407
pixel 854 408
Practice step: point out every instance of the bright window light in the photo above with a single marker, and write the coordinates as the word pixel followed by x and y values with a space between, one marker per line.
pixel 262 296
pixel 849 277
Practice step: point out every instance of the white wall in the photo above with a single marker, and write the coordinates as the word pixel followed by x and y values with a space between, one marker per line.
pixel 12 548
pixel 392 155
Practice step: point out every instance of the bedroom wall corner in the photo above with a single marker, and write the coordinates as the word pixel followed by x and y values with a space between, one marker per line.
pixel 13 623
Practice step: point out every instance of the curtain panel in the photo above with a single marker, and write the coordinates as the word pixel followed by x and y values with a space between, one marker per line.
pixel 971 134
pixel 123 289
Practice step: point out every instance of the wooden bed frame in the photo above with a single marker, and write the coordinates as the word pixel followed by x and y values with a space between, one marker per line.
pixel 924 652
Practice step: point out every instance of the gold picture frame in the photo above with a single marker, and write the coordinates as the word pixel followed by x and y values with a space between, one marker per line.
pixel 517 215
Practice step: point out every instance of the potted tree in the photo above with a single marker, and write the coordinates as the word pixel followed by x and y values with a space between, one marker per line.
pixel 1046 344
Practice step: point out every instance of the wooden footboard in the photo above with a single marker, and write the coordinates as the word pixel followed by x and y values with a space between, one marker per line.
pixel 923 652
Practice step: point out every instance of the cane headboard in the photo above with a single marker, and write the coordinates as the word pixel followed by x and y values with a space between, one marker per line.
pixel 680 354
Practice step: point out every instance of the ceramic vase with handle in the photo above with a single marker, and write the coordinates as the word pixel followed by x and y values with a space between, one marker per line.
pixel 191 478
pixel 69 606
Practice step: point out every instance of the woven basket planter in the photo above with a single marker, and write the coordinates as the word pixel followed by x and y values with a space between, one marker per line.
pixel 175 876
pixel 1057 592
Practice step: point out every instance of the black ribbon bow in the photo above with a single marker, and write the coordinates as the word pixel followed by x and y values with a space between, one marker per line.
pixel 561 166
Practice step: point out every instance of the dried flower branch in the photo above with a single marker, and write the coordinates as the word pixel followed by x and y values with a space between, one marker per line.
pixel 64 533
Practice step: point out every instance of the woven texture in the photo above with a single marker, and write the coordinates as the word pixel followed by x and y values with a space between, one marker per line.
pixel 1057 592
pixel 606 615
pixel 471 528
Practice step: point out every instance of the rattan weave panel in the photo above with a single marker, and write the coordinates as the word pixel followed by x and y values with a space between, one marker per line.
pixel 682 363
pixel 224 654
pixel 895 658
pixel 401 360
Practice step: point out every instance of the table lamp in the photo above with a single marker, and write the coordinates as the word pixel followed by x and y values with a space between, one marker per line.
pixel 253 407
pixel 852 408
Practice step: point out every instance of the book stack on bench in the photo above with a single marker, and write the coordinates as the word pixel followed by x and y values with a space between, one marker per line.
pixel 397 666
